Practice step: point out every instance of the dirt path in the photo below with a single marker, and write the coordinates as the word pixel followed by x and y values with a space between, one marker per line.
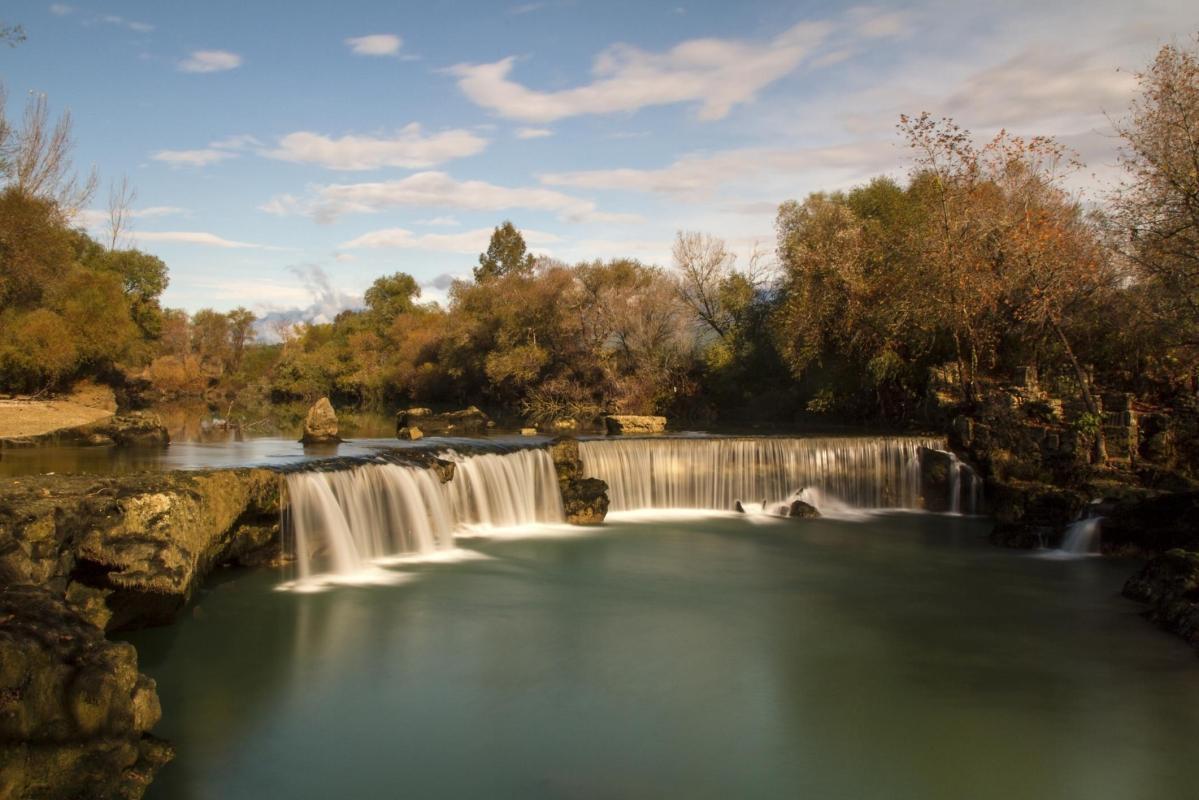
pixel 23 416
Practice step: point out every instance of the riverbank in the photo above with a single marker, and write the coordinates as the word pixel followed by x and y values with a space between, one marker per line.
pixel 27 417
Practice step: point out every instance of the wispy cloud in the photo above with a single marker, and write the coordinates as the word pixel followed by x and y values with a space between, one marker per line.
pixel 199 238
pixel 376 44
pixel 472 241
pixel 61 9
pixel 525 8
pixel 439 222
pixel 410 148
pixel 533 133
pixel 215 152
pixel 435 190
pixel 719 74
pixel 94 217
pixel 201 61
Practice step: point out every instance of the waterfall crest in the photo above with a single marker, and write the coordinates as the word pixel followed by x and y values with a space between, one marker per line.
pixel 338 523
pixel 865 472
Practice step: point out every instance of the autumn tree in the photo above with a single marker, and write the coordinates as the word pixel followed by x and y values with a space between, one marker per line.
pixel 506 254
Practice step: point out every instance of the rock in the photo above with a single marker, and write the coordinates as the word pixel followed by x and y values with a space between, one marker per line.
pixel 1169 583
pixel 585 501
pixel 75 713
pixel 468 420
pixel 1030 514
pixel 410 434
pixel 137 546
pixel 320 426
pixel 937 478
pixel 801 510
pixel 1153 524
pixel 445 469
pixel 564 424
pixel 617 424
pixel 528 431
pixel 740 509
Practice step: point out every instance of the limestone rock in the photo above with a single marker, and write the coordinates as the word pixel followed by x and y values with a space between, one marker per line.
pixel 320 426
pixel 469 420
pixel 528 431
pixel 75 713
pixel 410 434
pixel 617 424
pixel 585 501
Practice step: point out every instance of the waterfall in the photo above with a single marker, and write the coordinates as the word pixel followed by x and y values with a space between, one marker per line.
pixel 339 522
pixel 1082 537
pixel 865 472
pixel 959 473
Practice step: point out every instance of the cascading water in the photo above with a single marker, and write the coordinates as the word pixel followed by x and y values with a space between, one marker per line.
pixel 962 473
pixel 337 523
pixel 865 472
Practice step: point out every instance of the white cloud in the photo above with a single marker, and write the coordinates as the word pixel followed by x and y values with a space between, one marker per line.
pixel 466 242
pixel 197 237
pixel 876 23
pixel 409 149
pixel 240 141
pixel 435 190
pixel 210 61
pixel 377 44
pixel 533 133
pixel 439 222
pixel 192 158
pixel 699 176
pixel 717 73
pixel 61 9
pixel 96 217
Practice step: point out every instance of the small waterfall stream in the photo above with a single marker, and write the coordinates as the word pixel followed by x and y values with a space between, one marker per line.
pixel 339 522
pixel 864 472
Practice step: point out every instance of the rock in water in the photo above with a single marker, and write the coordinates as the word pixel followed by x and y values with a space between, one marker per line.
pixel 320 426
pixel 740 509
pixel 410 434
pixel 617 424
pixel 801 510
pixel 584 500
pixel 468 420
pixel 528 431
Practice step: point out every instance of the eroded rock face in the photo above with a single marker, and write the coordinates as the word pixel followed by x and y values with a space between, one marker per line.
pixel 1030 514
pixel 468 420
pixel 75 713
pixel 320 426
pixel 128 552
pixel 618 424
pixel 1169 583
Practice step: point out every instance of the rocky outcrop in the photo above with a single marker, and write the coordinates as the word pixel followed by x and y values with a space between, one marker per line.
pixel 1153 524
pixel 320 426
pixel 936 467
pixel 584 500
pixel 136 429
pixel 411 434
pixel 75 713
pixel 625 424
pixel 1169 583
pixel 129 552
pixel 1029 514
pixel 453 423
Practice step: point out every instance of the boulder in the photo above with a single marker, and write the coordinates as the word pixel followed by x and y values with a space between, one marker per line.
pixel 1030 514
pixel 411 434
pixel 528 431
pixel 467 421
pixel 75 713
pixel 1169 584
pixel 801 510
pixel 740 509
pixel 585 501
pixel 320 426
pixel 618 424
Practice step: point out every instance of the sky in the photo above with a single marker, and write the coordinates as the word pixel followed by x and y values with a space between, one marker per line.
pixel 286 155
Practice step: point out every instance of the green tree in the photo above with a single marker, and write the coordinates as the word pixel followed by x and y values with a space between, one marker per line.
pixel 506 255
pixel 390 296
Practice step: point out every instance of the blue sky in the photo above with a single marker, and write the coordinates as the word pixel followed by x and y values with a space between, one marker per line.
pixel 285 158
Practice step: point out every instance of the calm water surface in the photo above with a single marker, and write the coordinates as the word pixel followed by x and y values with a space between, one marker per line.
pixel 900 657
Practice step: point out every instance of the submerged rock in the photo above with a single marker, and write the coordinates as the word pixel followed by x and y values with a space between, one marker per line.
pixel 320 426
pixel 618 424
pixel 75 713
pixel 468 420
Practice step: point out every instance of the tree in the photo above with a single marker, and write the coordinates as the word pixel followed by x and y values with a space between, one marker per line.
pixel 1156 209
pixel 12 35
pixel 37 158
pixel 241 333
pixel 121 197
pixel 506 254
pixel 704 263
pixel 210 339
pixel 390 296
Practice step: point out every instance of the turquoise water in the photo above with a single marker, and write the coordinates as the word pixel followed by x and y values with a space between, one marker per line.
pixel 900 657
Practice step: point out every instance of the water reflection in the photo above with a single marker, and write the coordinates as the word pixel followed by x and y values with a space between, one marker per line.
pixel 898 657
